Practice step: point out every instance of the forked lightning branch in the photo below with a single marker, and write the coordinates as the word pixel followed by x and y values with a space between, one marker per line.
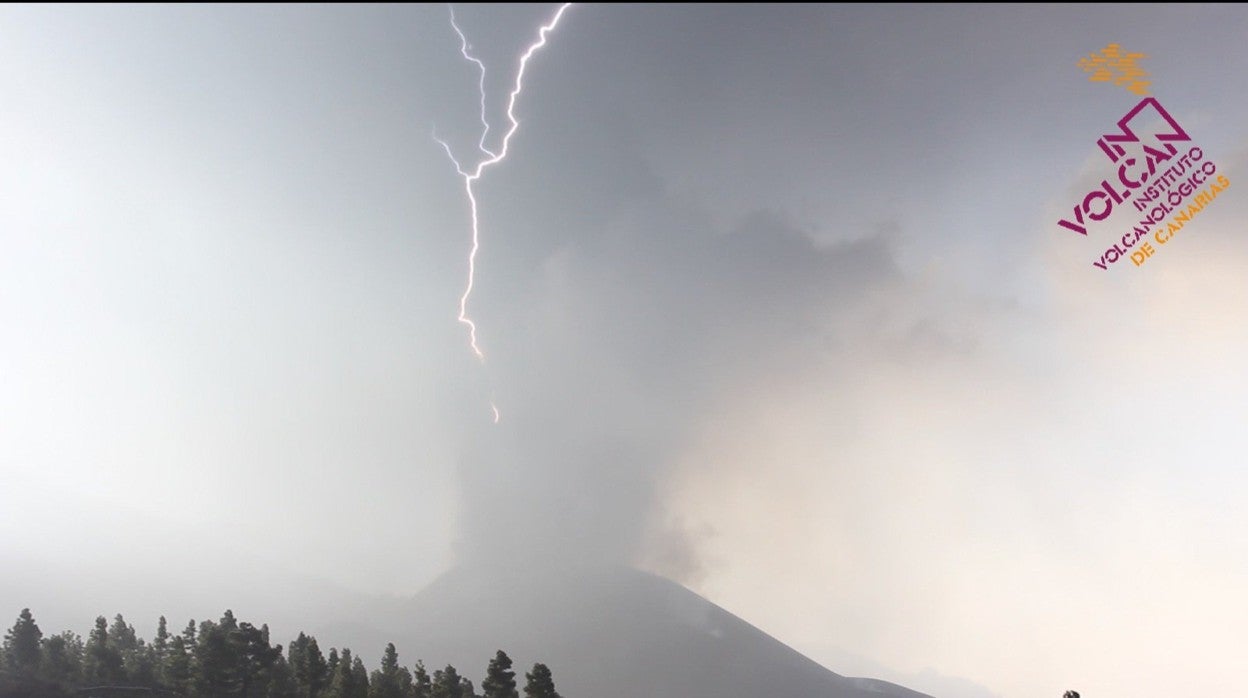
pixel 489 157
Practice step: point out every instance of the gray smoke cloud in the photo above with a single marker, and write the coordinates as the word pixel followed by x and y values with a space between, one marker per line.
pixel 626 336
pixel 618 308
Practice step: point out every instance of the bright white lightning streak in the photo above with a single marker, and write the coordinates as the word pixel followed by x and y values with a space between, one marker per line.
pixel 463 49
pixel 470 178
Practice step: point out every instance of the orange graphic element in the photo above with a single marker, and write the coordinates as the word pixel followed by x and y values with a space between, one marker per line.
pixel 1111 61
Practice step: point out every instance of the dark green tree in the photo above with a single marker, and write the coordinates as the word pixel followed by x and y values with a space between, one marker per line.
pixel 422 685
pixel 346 684
pixel 539 684
pixel 500 680
pixel 22 667
pixel 360 678
pixel 384 682
pixel 295 657
pixel 122 636
pixel 224 659
pixel 62 659
pixel 215 664
pixel 281 681
pixel 331 664
pixel 337 682
pixel 136 661
pixel 21 646
pixel 177 668
pixel 407 688
pixel 446 683
pixel 101 662
pixel 189 636
pixel 160 649
pixel 308 666
pixel 140 666
pixel 255 659
pixel 123 639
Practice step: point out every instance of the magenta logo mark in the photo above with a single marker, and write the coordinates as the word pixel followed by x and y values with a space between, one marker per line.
pixel 1166 185
pixel 1099 203
pixel 1109 143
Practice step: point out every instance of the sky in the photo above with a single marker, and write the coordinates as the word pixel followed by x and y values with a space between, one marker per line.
pixel 772 298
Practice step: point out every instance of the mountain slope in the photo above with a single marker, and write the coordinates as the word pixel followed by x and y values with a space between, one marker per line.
pixel 608 633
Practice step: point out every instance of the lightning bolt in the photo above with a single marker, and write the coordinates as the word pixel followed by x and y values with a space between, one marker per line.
pixel 463 50
pixel 473 174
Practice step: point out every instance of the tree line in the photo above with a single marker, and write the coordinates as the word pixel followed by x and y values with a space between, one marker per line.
pixel 227 658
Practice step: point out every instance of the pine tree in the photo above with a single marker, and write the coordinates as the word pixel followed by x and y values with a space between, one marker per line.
pixel 228 622
pixel 390 660
pixel 385 681
pixel 101 664
pixel 540 684
pixel 500 681
pixel 228 658
pixel 216 662
pixel 177 669
pixel 188 636
pixel 331 664
pixel 446 683
pixel 141 665
pixel 137 665
pixel 255 659
pixel 407 688
pixel 344 683
pixel 422 686
pixel 315 668
pixel 359 681
pixel 62 659
pixel 298 660
pixel 21 645
pixel 282 682
pixel 160 650
pixel 122 636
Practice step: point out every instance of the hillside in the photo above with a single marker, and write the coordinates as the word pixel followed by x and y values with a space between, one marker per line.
pixel 606 633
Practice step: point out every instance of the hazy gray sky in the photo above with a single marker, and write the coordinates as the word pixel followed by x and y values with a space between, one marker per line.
pixel 773 300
